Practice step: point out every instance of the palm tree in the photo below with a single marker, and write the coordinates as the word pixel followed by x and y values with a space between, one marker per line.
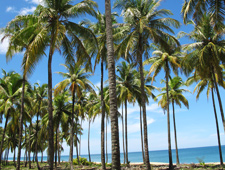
pixel 197 8
pixel 204 80
pixel 61 113
pixel 76 80
pixel 112 88
pixel 166 58
pixel 55 29
pixel 175 96
pixel 10 90
pixel 205 53
pixel 143 22
pixel 128 87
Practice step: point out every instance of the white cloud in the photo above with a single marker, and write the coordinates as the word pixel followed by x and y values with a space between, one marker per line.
pixel 10 9
pixel 37 2
pixel 3 45
pixel 25 11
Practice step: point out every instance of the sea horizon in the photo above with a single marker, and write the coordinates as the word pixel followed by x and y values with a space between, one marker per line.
pixel 205 154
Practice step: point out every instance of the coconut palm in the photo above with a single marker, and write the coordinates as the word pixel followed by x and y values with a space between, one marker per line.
pixel 175 96
pixel 205 53
pixel 76 80
pixel 166 58
pixel 143 22
pixel 197 8
pixel 205 80
pixel 128 87
pixel 10 91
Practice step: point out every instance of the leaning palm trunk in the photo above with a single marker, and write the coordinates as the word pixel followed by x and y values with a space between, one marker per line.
pixel 142 147
pixel 126 142
pixel 219 98
pixel 217 129
pixel 89 154
pixel 147 162
pixel 102 120
pixel 29 146
pixel 106 141
pixel 26 145
pixel 56 144
pixel 168 116
pixel 50 114
pixel 3 137
pixel 175 134
pixel 112 89
pixel 124 158
pixel 21 124
pixel 77 140
pixel 71 132
pixel 36 145
pixel 80 137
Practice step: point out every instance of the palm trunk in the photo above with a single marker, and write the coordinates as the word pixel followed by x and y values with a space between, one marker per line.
pixel 168 116
pixel 219 98
pixel 50 113
pixel 106 141
pixel 143 104
pixel 124 156
pixel 102 120
pixel 21 125
pixel 142 147
pixel 112 89
pixel 77 140
pixel 80 136
pixel 3 137
pixel 56 147
pixel 217 129
pixel 175 134
pixel 26 145
pixel 71 132
pixel 126 142
pixel 29 145
pixel 89 140
pixel 41 156
pixel 14 155
pixel 36 145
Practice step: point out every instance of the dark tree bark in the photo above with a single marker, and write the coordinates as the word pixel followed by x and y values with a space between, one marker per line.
pixel 71 131
pixel 168 116
pixel 89 153
pixel 106 140
pixel 126 141
pixel 26 144
pixel 102 120
pixel 56 144
pixel 3 137
pixel 50 113
pixel 80 137
pixel 21 125
pixel 142 147
pixel 112 89
pixel 175 134
pixel 143 104
pixel 36 145
pixel 217 130
pixel 29 145
pixel 124 156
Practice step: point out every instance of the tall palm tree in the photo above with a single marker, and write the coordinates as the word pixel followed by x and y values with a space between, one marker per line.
pixel 128 87
pixel 10 91
pixel 175 96
pixel 112 88
pixel 76 80
pixel 206 52
pixel 167 58
pixel 204 80
pixel 143 23
pixel 100 51
pixel 55 29
pixel 197 8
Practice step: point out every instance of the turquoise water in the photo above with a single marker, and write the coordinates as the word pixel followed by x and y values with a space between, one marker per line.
pixel 188 155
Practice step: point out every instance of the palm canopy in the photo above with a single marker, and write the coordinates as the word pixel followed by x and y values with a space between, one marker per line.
pixel 76 80
pixel 143 22
pixel 207 50
pixel 175 93
pixel 169 53
pixel 197 8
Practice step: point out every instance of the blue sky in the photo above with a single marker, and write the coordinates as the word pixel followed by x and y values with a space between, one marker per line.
pixel 195 127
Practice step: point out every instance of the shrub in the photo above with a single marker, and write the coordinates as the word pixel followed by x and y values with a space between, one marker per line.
pixel 83 161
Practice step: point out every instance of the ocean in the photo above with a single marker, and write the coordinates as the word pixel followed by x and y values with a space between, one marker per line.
pixel 188 155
